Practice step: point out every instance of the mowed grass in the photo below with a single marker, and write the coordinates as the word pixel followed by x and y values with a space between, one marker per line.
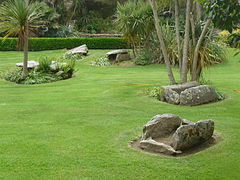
pixel 80 128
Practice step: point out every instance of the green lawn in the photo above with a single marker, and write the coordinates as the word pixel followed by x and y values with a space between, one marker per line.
pixel 80 128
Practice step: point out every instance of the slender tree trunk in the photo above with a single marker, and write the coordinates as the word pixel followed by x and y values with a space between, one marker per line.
pixel 186 44
pixel 25 53
pixel 196 54
pixel 177 27
pixel 193 24
pixel 199 11
pixel 162 43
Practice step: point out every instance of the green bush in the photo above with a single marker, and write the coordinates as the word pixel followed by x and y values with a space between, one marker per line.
pixel 155 92
pixel 144 58
pixel 39 44
pixel 103 61
pixel 234 40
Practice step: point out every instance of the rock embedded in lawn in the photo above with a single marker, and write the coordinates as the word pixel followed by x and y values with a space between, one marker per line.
pixel 30 65
pixel 55 65
pixel 181 87
pixel 198 95
pixel 161 126
pixel 79 50
pixel 118 55
pixel 188 136
pixel 157 147
pixel 171 135
pixel 171 96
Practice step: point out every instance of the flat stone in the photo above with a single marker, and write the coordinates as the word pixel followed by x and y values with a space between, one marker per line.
pixel 188 136
pixel 181 87
pixel 161 126
pixel 118 55
pixel 31 64
pixel 79 50
pixel 157 147
pixel 198 95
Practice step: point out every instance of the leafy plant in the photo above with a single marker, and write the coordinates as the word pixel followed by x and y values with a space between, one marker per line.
pixel 103 61
pixel 155 92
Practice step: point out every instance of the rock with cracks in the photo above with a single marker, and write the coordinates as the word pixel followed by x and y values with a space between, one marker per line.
pixel 188 136
pixel 161 126
pixel 118 55
pixel 171 96
pixel 157 147
pixel 79 50
pixel 198 95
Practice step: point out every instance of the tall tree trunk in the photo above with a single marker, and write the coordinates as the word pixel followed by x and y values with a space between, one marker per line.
pixel 196 54
pixel 199 11
pixel 186 44
pixel 177 27
pixel 162 43
pixel 193 24
pixel 25 53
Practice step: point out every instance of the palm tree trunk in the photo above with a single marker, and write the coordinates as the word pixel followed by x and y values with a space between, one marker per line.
pixel 193 24
pixel 177 27
pixel 162 43
pixel 196 54
pixel 186 44
pixel 25 54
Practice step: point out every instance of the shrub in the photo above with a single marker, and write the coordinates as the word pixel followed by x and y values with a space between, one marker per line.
pixel 44 65
pixel 39 44
pixel 72 56
pixel 155 92
pixel 103 61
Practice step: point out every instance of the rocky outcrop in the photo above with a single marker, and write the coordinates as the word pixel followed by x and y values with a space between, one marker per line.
pixel 30 65
pixel 161 126
pixel 157 147
pixel 188 136
pixel 198 95
pixel 169 134
pixel 79 50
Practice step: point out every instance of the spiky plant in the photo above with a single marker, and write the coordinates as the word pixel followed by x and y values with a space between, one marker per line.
pixel 17 18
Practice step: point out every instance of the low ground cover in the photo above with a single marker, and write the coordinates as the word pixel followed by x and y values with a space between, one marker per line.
pixel 80 128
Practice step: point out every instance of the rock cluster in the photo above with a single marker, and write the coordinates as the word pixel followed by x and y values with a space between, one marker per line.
pixel 169 134
pixel 189 94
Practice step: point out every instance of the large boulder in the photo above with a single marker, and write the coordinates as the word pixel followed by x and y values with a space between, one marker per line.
pixel 171 96
pixel 188 136
pixel 161 126
pixel 30 65
pixel 198 95
pixel 79 50
pixel 157 147
pixel 118 55
pixel 181 87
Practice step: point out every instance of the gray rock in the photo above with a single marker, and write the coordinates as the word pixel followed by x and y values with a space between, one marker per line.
pixel 171 96
pixel 188 136
pixel 59 73
pixel 181 87
pixel 31 64
pixel 55 65
pixel 122 57
pixel 117 55
pixel 79 50
pixel 198 95
pixel 186 122
pixel 157 147
pixel 161 126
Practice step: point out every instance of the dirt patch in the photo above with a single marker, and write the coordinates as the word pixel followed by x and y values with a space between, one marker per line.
pixel 167 140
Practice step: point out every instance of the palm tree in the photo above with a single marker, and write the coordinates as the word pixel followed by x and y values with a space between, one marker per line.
pixel 18 17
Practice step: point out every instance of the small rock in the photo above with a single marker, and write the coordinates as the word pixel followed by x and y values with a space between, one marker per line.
pixel 161 126
pixel 188 136
pixel 31 64
pixel 55 65
pixel 59 73
pixel 157 147
pixel 171 96
pixel 198 95
pixel 79 50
